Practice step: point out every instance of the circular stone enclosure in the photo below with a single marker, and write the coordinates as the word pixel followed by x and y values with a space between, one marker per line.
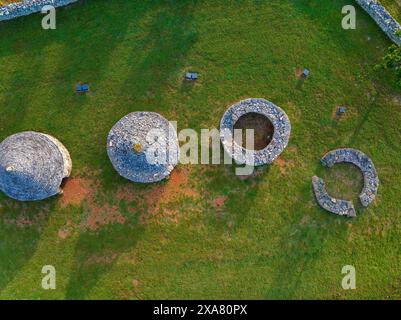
pixel 272 129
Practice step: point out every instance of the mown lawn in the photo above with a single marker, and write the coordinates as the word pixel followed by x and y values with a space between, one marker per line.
pixel 205 233
pixel 394 7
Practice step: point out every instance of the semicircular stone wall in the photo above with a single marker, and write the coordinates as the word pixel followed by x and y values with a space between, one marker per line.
pixel 371 181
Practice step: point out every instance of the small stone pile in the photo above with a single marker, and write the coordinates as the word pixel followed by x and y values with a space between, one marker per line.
pixel 333 205
pixel 281 135
pixel 26 7
pixel 383 18
pixel 362 161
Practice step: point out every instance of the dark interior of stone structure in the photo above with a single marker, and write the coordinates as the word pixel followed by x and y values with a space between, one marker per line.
pixel 263 130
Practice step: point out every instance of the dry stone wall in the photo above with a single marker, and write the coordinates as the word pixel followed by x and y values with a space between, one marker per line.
pixel 383 18
pixel 26 7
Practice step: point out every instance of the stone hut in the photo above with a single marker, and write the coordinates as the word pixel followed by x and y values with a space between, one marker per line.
pixel 143 147
pixel 33 166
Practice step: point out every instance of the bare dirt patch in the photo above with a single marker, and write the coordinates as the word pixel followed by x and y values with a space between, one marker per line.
pixel 26 218
pixel 103 215
pixel 177 187
pixel 63 233
pixel 219 202
pixel 136 283
pixel 106 258
pixel 298 72
pixel 155 200
pixel 348 113
pixel 66 231
pixel 127 193
pixel 396 100
pixel 283 165
pixel 76 190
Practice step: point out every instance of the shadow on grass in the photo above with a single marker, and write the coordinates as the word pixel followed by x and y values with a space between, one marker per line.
pixel 306 239
pixel 96 254
pixel 361 124
pixel 170 37
pixel 21 225
pixel 223 183
pixel 301 247
pixel 317 12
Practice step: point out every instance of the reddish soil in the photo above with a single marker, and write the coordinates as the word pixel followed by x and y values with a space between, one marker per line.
pixel 24 219
pixel 76 190
pixel 136 283
pixel 298 72
pixel 107 258
pixel 155 200
pixel 178 186
pixel 283 165
pixel 66 231
pixel 63 233
pixel 103 215
pixel 220 201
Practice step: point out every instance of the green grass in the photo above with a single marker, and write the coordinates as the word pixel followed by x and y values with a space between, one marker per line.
pixel 270 239
pixel 394 7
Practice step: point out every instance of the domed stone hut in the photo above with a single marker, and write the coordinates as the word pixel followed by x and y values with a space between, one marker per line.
pixel 33 166
pixel 143 147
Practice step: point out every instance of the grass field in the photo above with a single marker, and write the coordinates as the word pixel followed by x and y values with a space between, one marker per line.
pixel 394 7
pixel 204 233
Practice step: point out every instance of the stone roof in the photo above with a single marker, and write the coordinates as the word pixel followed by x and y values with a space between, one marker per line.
pixel 32 166
pixel 143 147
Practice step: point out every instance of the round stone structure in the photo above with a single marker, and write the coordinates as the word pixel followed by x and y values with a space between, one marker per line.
pixel 33 166
pixel 371 181
pixel 364 163
pixel 279 141
pixel 143 147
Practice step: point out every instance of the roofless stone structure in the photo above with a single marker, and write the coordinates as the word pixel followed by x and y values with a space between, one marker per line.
pixel 371 181
pixel 279 140
pixel 327 202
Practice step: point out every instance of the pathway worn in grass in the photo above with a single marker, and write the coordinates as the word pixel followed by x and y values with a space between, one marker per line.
pixel 204 233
